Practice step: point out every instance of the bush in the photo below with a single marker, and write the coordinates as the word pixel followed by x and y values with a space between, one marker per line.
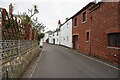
pixel 40 36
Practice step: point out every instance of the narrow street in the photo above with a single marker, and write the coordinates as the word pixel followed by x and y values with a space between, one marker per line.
pixel 59 62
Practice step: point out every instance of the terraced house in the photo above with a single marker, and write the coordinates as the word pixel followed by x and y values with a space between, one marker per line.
pixel 66 33
pixel 96 30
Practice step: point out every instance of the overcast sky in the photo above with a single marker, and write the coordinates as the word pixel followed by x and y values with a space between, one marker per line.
pixel 50 11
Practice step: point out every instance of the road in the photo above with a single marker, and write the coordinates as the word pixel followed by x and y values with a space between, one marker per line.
pixel 59 62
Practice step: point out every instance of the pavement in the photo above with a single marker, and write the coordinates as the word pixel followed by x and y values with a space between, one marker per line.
pixel 60 62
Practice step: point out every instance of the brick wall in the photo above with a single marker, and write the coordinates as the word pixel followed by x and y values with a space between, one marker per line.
pixel 102 19
pixel 81 30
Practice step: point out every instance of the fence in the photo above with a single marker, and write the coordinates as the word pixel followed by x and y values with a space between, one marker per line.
pixel 14 53
pixel 17 44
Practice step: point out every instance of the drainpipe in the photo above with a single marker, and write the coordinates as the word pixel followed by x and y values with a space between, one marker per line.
pixel 90 37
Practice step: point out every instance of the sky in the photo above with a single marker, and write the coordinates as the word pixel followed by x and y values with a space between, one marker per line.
pixel 50 11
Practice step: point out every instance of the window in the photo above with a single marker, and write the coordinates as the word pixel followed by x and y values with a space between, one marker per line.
pixel 87 36
pixel 53 34
pixel 57 33
pixel 75 22
pixel 67 38
pixel 67 25
pixel 84 16
pixel 114 39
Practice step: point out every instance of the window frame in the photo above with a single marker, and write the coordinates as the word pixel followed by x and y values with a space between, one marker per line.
pixel 116 39
pixel 87 36
pixel 75 22
pixel 84 16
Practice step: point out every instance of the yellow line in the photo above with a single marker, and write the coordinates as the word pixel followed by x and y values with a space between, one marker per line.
pixel 36 64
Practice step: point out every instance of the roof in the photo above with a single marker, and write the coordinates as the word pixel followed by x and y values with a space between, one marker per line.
pixel 96 5
pixel 84 8
pixel 65 22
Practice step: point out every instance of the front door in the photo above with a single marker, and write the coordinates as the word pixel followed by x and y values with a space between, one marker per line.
pixel 53 41
pixel 76 42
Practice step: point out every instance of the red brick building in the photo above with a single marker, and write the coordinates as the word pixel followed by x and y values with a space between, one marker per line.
pixel 96 30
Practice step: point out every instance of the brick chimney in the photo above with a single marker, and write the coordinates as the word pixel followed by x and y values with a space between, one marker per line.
pixel 10 8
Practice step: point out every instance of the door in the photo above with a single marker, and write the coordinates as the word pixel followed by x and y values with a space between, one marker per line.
pixel 76 42
pixel 53 41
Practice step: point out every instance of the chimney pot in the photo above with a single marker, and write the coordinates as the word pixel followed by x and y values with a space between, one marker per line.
pixel 59 22
pixel 10 8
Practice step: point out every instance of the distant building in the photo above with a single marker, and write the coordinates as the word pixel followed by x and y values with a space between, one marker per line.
pixel 46 38
pixel 56 35
pixel 51 38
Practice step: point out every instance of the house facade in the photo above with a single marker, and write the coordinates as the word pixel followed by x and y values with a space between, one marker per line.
pixel 46 38
pixel 56 37
pixel 95 30
pixel 66 33
pixel 80 27
pixel 51 38
pixel 105 31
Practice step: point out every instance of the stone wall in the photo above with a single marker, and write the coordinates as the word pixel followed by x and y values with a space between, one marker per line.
pixel 16 55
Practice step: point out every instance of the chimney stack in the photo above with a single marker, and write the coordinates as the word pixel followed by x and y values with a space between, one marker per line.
pixel 10 8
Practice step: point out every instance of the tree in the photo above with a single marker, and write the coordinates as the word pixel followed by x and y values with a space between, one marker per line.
pixel 40 36
pixel 36 25
pixel 26 18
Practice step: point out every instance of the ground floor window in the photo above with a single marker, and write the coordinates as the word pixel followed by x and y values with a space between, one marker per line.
pixel 67 38
pixel 87 36
pixel 114 39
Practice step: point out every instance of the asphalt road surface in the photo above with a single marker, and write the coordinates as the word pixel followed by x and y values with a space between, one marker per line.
pixel 59 62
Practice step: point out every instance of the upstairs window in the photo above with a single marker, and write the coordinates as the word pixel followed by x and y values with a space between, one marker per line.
pixel 114 39
pixel 53 34
pixel 75 22
pixel 67 38
pixel 57 33
pixel 84 16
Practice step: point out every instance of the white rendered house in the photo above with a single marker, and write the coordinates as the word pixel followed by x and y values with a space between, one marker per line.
pixel 47 36
pixel 66 33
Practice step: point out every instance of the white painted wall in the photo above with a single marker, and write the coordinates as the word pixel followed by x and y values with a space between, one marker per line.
pixel 51 38
pixel 66 34
pixel 56 37
pixel 46 37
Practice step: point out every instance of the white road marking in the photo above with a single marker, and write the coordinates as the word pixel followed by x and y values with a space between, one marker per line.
pixel 94 59
pixel 36 64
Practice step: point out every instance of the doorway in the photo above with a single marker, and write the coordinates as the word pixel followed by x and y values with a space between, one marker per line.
pixel 76 42
pixel 53 41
